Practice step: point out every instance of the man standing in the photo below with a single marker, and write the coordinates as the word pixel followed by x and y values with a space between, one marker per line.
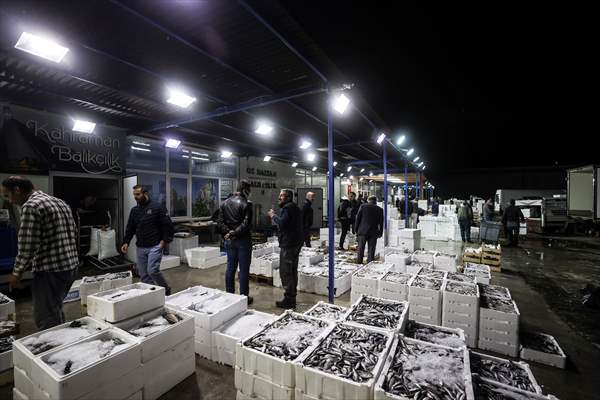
pixel 234 223
pixel 307 217
pixel 153 229
pixel 511 219
pixel 368 227
pixel 289 223
pixel 355 205
pixel 465 219
pixel 47 245
pixel 435 207
pixel 344 214
pixel 488 210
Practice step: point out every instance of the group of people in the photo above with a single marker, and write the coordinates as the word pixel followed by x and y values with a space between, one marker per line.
pixel 365 219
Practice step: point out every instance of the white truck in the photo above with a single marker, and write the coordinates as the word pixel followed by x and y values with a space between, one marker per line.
pixel 583 194
pixel 503 196
pixel 545 215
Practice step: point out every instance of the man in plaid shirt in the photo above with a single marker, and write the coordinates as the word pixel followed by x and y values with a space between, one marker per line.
pixel 47 245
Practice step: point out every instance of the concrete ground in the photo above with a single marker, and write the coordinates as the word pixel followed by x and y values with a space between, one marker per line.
pixel 544 282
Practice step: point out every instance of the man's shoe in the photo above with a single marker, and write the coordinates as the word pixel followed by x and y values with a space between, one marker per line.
pixel 167 291
pixel 285 304
pixel 250 300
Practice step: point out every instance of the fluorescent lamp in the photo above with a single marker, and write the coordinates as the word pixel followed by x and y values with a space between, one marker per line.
pixel 380 138
pixel 139 148
pixel 423 167
pixel 199 154
pixel 83 126
pixel 311 157
pixel 294 164
pixel 184 156
pixel 342 174
pixel 185 151
pixel 305 144
pixel 410 152
pixel 334 163
pixel 314 169
pixel 263 128
pixel 179 98
pixel 370 174
pixel 267 158
pixel 340 104
pixel 421 163
pixel 401 140
pixel 416 159
pixel 349 169
pixel 200 158
pixel 226 154
pixel 141 144
pixel 172 143
pixel 361 179
pixel 351 177
pixel 41 47
pixel 362 170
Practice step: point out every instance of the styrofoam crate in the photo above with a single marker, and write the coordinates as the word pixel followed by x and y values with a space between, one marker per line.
pixel 273 369
pixel 400 260
pixel 331 308
pixel 415 267
pixel 401 322
pixel 90 377
pixel 392 288
pixel 180 244
pixel 458 301
pixel 407 233
pixel 320 285
pixel 124 387
pixel 457 343
pixel 203 254
pixel 87 288
pixel 23 357
pixel 254 386
pixel 424 256
pixel 479 276
pixel 168 262
pixel 7 306
pixel 555 360
pixel 169 377
pixel 210 263
pixel 228 335
pixel 168 358
pixel 321 385
pixel 203 347
pixel 425 314
pixel 519 364
pixel 235 304
pixel 507 392
pixel 309 258
pixel 445 262
pixel 101 306
pixel 408 244
pixel 489 316
pixel 509 349
pixel 18 395
pixel 494 291
pixel 23 382
pixel 159 342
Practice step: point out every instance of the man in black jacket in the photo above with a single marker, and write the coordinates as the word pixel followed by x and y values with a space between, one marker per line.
pixel 234 222
pixel 368 227
pixel 307 217
pixel 153 229
pixel 511 220
pixel 355 205
pixel 289 223
pixel 344 214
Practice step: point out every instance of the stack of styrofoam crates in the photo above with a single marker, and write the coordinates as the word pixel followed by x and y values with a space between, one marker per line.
pixel 425 298
pixel 309 256
pixel 445 262
pixel 7 308
pixel 460 308
pixel 6 353
pixel 101 283
pixel 315 278
pixel 398 257
pixel 480 272
pixel 262 249
pixel 205 257
pixel 226 337
pixel 167 350
pixel 119 304
pixel 499 325
pixel 169 261
pixel 264 265
pixel 365 281
pixel 394 286
pixel 210 308
pixel 259 374
pixel 427 226
pixel 409 239
pixel 182 243
pixel 314 383
pixel 424 256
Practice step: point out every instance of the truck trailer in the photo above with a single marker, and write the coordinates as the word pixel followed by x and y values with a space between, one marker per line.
pixel 583 194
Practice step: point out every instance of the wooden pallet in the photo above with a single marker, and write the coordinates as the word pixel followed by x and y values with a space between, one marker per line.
pixel 262 279
pixel 497 252
pixel 471 258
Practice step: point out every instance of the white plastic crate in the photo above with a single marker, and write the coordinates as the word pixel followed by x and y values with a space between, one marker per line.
pixel 402 320
pixel 414 267
pixel 227 336
pixel 23 357
pixel 322 385
pixel 461 311
pixel 445 262
pixel 203 343
pixel 95 284
pixel 6 360
pixel 180 244
pixel 210 263
pixel 555 360
pixel 400 260
pixel 169 377
pixel 479 274
pixel 366 280
pixel 494 291
pixel 255 387
pixel 519 364
pixel 108 307
pixel 154 345
pixel 507 392
pixel 424 256
pixel 169 261
pixel 407 233
pixel 327 311
pixel 394 286
pixel 203 254
pixel 408 244
pixel 509 349
pixel 7 306
pixel 169 359
pixel 456 341
pixel 124 387
pixel 90 377
pixel 425 304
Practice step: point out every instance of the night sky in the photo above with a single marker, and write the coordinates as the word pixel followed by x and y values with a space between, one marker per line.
pixel 502 86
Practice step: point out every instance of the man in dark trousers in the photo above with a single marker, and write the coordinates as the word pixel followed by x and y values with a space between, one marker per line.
pixel 47 243
pixel 368 227
pixel 235 223
pixel 355 204
pixel 465 220
pixel 289 224
pixel 511 220
pixel 344 214
pixel 153 229
pixel 307 217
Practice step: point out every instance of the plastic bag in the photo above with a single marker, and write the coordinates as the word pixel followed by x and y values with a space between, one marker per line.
pixel 93 242
pixel 107 246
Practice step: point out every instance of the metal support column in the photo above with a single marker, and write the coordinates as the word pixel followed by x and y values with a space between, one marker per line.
pixel 330 203
pixel 406 216
pixel 385 189
pixel 418 192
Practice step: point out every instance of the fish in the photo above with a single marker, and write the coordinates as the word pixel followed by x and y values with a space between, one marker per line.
pixel 503 371
pixel 377 312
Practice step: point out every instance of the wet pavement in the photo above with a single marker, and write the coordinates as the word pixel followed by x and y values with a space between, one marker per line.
pixel 544 281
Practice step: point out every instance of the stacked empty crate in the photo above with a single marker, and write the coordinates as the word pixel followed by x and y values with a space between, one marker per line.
pixel 479 272
pixel 405 239
pixel 425 298
pixel 204 257
pixel 315 278
pixel 101 283
pixel 461 308
pixel 366 280
pixel 265 259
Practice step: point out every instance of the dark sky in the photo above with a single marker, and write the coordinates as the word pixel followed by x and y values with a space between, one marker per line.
pixel 474 87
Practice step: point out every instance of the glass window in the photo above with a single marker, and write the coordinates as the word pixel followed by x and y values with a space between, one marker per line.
pixel 208 163
pixel 145 155
pixel 179 161
pixel 205 200
pixel 227 188
pixel 156 185
pixel 179 195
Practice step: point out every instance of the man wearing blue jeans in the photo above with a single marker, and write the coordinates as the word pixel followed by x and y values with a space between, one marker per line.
pixel 153 229
pixel 234 223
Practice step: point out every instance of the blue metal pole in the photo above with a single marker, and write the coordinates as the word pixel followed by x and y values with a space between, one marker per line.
pixel 330 204
pixel 418 192
pixel 405 193
pixel 385 188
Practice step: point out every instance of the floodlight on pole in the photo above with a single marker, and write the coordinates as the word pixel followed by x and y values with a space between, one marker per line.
pixel 420 164
pixel 342 174
pixel 179 98
pixel 410 152
pixel 380 138
pixel 311 157
pixel 314 169
pixel 401 140
pixel 305 144
pixel 370 173
pixel 226 154
pixel 41 47
pixel 263 127
pixel 83 126
pixel 172 143
pixel 267 158
pixel 340 103
pixel 334 163
pixel 349 169
pixel 362 170
pixel 294 164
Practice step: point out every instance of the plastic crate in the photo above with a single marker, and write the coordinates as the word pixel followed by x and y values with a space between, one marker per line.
pixel 101 306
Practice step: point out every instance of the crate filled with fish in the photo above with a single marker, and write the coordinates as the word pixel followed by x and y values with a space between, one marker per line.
pixel 327 311
pixel 100 283
pixel 125 302
pixel 515 374
pixel 366 280
pixel 269 354
pixel 87 366
pixel 394 286
pixel 440 335
pixel 432 273
pixel 542 348
pixel 472 255
pixel 445 262
pixel 486 389
pixel 225 338
pixel 418 370
pixel 499 325
pixel 7 307
pixel 424 256
pixel 460 277
pixel 345 364
pixel 342 279
pixel 460 308
pixel 8 328
pixel 379 313
pixel 6 353
pixel 481 273
pixel 425 298
pixel 414 267
pixel 398 257
pixel 494 291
